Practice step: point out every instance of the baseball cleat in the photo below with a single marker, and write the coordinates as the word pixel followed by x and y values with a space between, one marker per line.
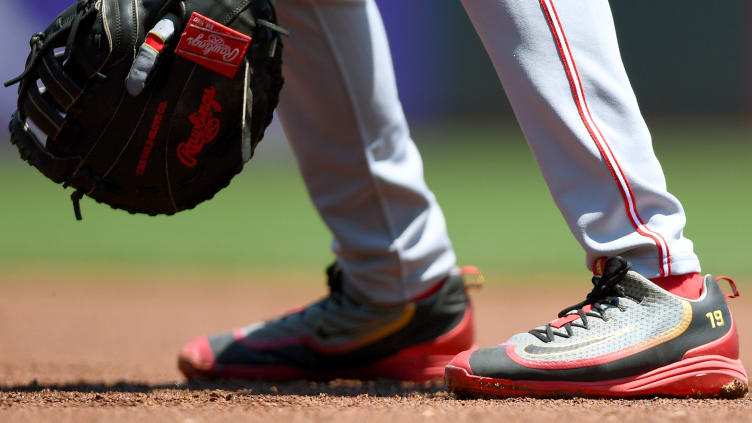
pixel 341 337
pixel 629 338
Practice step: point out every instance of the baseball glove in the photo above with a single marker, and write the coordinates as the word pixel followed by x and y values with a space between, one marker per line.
pixel 150 106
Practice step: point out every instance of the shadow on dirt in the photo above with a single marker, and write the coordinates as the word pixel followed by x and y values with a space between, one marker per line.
pixel 342 388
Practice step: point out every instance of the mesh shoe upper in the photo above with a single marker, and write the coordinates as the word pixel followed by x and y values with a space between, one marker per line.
pixel 626 326
pixel 645 313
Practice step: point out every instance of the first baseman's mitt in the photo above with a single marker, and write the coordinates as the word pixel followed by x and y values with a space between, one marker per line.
pixel 137 115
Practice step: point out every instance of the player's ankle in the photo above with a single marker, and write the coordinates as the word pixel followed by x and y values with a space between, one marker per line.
pixel 688 285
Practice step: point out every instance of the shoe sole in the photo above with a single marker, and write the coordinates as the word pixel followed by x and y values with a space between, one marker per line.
pixel 398 367
pixel 709 376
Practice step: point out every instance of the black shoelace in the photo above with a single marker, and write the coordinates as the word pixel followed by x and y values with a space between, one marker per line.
pixel 606 292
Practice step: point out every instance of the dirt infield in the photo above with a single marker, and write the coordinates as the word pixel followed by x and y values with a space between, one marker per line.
pixel 87 351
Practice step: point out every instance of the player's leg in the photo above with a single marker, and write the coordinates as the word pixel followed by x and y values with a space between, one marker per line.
pixel 397 306
pixel 560 66
pixel 344 120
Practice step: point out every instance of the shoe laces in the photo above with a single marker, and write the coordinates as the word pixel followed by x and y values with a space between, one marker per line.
pixel 607 289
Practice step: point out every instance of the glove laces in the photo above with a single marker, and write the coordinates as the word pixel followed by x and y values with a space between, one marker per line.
pixel 40 42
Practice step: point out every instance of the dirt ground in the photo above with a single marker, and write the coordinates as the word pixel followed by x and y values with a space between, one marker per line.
pixel 106 351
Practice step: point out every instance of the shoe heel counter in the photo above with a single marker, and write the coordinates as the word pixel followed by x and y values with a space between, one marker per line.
pixel 712 314
pixel 455 301
pixel 452 295
pixel 726 346
pixel 458 339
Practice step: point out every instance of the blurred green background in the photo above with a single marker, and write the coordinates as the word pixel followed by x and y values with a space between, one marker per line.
pixel 690 67
pixel 499 212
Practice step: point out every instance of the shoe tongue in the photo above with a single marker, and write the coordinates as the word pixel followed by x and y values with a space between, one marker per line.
pixel 334 278
pixel 631 285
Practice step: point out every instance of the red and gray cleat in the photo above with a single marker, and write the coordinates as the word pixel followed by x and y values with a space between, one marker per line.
pixel 341 337
pixel 629 338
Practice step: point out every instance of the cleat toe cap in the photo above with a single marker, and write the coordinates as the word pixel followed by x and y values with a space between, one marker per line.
pixel 462 360
pixel 196 357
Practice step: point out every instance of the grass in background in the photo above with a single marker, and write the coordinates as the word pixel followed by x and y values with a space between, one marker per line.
pixel 499 212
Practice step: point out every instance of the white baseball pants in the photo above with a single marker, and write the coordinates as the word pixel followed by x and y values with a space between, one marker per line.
pixel 559 63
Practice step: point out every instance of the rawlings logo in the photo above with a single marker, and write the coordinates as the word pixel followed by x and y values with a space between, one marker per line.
pixel 149 144
pixel 214 44
pixel 205 128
